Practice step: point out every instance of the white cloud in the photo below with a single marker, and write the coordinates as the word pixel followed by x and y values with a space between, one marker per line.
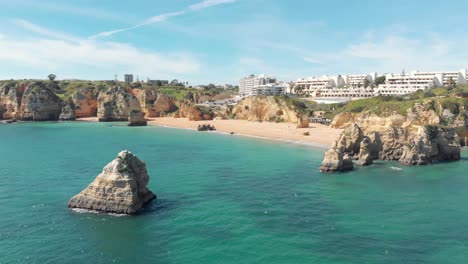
pixel 54 51
pixel 163 17
pixel 312 60
pixel 393 52
pixel 209 3
pixel 44 31
pixel 111 32
pixel 151 20
pixel 160 18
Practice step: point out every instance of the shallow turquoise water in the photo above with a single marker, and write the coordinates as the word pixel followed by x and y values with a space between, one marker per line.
pixel 222 199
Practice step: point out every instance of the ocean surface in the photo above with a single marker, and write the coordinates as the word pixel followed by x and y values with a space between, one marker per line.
pixel 222 199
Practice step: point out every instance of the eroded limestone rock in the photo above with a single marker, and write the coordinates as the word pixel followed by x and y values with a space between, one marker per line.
pixel 120 188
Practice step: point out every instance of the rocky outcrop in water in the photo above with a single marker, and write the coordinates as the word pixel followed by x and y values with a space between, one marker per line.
pixel 68 112
pixel 116 104
pixel 427 145
pixel 336 161
pixel 85 101
pixel 39 103
pixel 137 118
pixel 350 139
pixel 415 153
pixel 120 188
pixel 206 127
pixel 366 156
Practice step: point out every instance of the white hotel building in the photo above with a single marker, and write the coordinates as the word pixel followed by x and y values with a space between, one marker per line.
pixel 261 85
pixel 400 84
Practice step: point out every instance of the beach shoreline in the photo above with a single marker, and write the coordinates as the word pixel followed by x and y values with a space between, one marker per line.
pixel 319 135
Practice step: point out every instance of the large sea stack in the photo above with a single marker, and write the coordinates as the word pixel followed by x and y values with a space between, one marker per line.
pixel 120 188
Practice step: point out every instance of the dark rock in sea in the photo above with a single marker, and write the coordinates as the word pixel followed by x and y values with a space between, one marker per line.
pixel 206 127
pixel 120 188
pixel 11 121
pixel 137 118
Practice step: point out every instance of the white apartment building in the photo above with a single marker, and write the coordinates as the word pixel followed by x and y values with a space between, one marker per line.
pixel 261 84
pixel 359 80
pixel 445 78
pixel 312 84
pixel 400 84
pixel 269 89
pixel 345 92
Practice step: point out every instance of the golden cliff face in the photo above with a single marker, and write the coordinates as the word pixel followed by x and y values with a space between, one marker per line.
pixel 153 104
pixel 265 108
pixel 417 116
pixel 422 136
pixel 85 101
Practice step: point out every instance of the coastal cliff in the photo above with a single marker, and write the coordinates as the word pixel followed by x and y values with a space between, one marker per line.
pixel 186 109
pixel 85 101
pixel 153 104
pixel 116 104
pixel 267 108
pixel 10 99
pixel 120 188
pixel 39 103
pixel 428 132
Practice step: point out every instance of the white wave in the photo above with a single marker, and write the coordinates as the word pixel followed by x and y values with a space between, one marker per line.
pixel 87 211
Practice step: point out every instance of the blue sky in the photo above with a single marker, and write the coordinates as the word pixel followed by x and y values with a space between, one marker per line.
pixel 220 41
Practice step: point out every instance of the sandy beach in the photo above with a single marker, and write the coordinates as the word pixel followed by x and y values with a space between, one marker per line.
pixel 320 135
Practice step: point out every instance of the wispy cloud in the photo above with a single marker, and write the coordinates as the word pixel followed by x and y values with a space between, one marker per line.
pixel 394 51
pixel 53 51
pixel 44 31
pixel 163 17
pixel 151 20
pixel 209 3
pixel 160 18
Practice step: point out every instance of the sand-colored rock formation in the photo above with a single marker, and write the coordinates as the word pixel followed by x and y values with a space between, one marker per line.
pixel 137 118
pixel 428 144
pixel 336 161
pixel 68 112
pixel 153 104
pixel 350 139
pixel 192 112
pixel 120 188
pixel 39 103
pixel 85 101
pixel 303 121
pixel 265 108
pixel 366 156
pixel 10 100
pixel 116 104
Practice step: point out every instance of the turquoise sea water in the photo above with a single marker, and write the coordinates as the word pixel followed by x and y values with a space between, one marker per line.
pixel 222 199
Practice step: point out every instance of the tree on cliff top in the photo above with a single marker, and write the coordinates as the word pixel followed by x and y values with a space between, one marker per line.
pixel 52 77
